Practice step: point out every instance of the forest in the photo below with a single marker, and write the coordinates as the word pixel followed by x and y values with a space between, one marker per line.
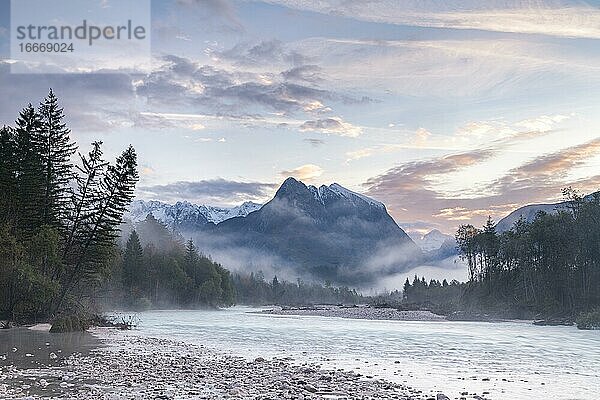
pixel 550 265
pixel 64 246
pixel 59 221
pixel 61 248
pixel 66 250
pixel 159 269
pixel 546 268
pixel 253 289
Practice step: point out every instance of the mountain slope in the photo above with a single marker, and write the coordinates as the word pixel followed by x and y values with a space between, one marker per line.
pixel 529 212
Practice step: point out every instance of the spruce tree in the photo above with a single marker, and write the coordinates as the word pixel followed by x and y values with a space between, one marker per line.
pixel 56 151
pixel 85 198
pixel 99 234
pixel 133 259
pixel 29 171
pixel 8 167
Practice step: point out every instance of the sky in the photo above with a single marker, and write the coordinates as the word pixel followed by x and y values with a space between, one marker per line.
pixel 447 112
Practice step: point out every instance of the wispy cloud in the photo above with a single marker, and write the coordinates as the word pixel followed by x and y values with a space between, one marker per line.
pixel 412 190
pixel 314 142
pixel 307 172
pixel 554 18
pixel 212 191
pixel 332 126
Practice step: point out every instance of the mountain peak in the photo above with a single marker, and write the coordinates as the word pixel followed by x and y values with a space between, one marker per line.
pixel 292 187
pixel 291 181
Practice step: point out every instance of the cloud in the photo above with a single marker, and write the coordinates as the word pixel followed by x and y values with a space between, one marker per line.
pixel 266 52
pixel 304 73
pixel 306 172
pixel 181 82
pixel 548 173
pixel 542 123
pixel 411 190
pixel 422 136
pixel 212 191
pixel 358 154
pixel 314 142
pixel 209 9
pixel 88 99
pixel 148 120
pixel 557 18
pixel 452 66
pixel 333 126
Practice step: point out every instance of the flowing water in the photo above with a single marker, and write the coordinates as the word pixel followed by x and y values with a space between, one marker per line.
pixel 509 360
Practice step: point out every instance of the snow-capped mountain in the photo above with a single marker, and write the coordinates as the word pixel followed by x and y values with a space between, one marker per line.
pixel 529 212
pixel 328 232
pixel 432 240
pixel 186 215
pixel 323 193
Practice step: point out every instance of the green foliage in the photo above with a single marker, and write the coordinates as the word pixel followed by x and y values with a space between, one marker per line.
pixel 69 323
pixel 589 320
pixel 58 222
pixel 442 297
pixel 55 151
pixel 132 262
pixel 549 266
pixel 166 273
pixel 253 289
pixel 26 292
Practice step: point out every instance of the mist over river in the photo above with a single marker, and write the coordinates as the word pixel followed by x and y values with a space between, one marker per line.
pixel 509 360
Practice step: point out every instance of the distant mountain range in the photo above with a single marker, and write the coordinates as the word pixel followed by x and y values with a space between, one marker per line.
pixel 184 215
pixel 432 240
pixel 326 232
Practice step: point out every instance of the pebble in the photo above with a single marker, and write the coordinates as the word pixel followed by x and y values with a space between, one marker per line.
pixel 360 312
pixel 136 367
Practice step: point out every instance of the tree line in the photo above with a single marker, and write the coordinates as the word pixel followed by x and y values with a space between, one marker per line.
pixel 550 265
pixel 441 297
pixel 254 289
pixel 59 220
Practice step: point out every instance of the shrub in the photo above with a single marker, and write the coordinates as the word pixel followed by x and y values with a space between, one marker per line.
pixel 589 320
pixel 70 323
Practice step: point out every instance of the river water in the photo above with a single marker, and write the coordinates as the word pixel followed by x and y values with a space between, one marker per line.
pixel 509 360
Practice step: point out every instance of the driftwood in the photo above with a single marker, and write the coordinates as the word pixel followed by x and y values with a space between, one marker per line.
pixel 80 323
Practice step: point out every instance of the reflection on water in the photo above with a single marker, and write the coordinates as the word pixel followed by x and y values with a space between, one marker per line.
pixel 497 360
pixel 32 349
pixel 39 356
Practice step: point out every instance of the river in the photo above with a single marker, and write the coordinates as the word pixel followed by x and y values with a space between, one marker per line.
pixel 508 360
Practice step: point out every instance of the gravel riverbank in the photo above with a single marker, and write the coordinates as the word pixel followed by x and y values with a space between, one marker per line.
pixel 135 367
pixel 359 312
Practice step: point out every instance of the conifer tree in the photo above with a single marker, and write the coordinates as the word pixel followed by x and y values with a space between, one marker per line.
pixel 191 256
pixel 8 187
pixel 98 235
pixel 56 150
pixel 64 225
pixel 29 170
pixel 132 262
pixel 85 198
